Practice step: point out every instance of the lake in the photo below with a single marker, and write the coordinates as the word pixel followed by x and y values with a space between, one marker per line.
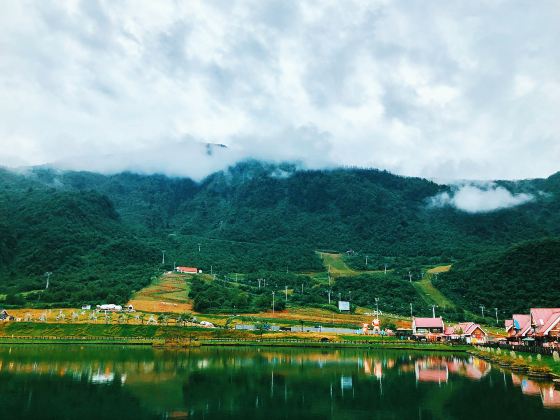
pixel 122 382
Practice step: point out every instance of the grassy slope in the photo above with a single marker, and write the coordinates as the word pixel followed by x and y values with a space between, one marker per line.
pixel 168 293
pixel 430 294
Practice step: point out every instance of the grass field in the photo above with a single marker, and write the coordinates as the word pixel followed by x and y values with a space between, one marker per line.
pixel 439 269
pixel 430 294
pixel 167 294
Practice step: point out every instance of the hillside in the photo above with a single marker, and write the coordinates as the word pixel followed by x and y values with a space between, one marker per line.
pixel 514 280
pixel 78 237
pixel 103 235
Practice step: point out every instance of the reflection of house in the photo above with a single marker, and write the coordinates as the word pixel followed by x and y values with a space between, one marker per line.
pixel 550 396
pixel 428 372
pixel 529 387
pixel 473 368
pixel 468 331
pixel 546 323
pixel 477 369
pixel 429 328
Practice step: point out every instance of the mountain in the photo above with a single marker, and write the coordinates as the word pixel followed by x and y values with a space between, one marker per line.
pixel 109 230
pixel 77 236
pixel 514 280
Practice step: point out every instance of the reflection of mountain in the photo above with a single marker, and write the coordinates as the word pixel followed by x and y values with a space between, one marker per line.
pixel 249 383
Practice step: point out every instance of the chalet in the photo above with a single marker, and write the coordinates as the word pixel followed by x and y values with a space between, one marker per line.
pixel 518 327
pixel 188 270
pixel 545 323
pixel 109 308
pixel 469 331
pixel 429 328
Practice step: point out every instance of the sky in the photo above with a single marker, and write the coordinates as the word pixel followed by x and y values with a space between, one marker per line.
pixel 447 90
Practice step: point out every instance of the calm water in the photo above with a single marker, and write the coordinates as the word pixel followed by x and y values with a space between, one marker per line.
pixel 82 382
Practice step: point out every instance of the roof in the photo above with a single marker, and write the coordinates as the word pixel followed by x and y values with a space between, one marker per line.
pixel 467 328
pixel 521 323
pixel 544 319
pixel 509 324
pixel 428 322
pixel 192 269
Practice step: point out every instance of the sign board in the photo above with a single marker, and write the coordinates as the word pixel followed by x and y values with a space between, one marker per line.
pixel 343 305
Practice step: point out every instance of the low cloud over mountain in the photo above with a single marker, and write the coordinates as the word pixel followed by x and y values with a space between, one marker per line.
pixel 480 198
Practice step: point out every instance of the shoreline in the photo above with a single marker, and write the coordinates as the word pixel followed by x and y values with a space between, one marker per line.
pixel 217 342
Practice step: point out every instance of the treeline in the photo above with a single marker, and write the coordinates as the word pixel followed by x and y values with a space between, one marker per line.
pixel 524 276
pixel 79 238
pixel 213 296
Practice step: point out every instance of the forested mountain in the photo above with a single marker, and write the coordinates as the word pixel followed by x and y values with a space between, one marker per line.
pixel 103 235
pixel 513 280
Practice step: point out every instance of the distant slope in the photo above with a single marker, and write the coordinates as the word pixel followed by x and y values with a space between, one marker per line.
pixel 514 280
pixel 78 237
pixel 367 210
pixel 102 236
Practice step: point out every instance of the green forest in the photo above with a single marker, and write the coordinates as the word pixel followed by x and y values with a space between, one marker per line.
pixel 103 237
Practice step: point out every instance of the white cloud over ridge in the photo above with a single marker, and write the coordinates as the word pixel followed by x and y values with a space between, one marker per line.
pixel 480 198
pixel 446 90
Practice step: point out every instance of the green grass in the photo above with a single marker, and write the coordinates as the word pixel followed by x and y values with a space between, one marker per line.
pixel 430 294
pixel 29 329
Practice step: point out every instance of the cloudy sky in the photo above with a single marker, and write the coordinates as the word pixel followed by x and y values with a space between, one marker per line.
pixel 440 89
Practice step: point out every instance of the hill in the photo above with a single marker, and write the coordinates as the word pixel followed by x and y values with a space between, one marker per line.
pixel 514 280
pixel 103 235
pixel 79 237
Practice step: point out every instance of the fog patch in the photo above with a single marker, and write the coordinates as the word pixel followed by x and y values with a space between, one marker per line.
pixel 480 198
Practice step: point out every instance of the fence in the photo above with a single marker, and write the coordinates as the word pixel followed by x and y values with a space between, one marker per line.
pixel 545 351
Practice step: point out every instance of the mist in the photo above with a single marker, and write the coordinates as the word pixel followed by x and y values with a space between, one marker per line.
pixel 453 91
pixel 480 198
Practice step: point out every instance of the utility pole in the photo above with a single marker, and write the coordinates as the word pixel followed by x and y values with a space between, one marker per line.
pixel 496 309
pixel 411 310
pixel 482 309
pixel 410 276
pixel 377 308
pixel 434 311
pixel 48 275
pixel 329 292
pixel 211 270
pixel 385 268
pixel 199 247
pixel 286 289
pixel 259 280
pixel 339 296
pixel 273 302
pixel 366 260
pixel 163 256
pixel 302 288
pixel 286 269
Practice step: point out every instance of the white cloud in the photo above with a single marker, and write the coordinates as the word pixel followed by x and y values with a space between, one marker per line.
pixel 454 90
pixel 481 198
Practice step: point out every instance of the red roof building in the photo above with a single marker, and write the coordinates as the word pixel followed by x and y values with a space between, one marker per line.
pixel 471 332
pixel 431 328
pixel 188 270
pixel 545 322
pixel 518 327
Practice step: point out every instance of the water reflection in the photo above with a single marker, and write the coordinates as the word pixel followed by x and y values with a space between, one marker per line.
pixel 247 382
pixel 549 395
